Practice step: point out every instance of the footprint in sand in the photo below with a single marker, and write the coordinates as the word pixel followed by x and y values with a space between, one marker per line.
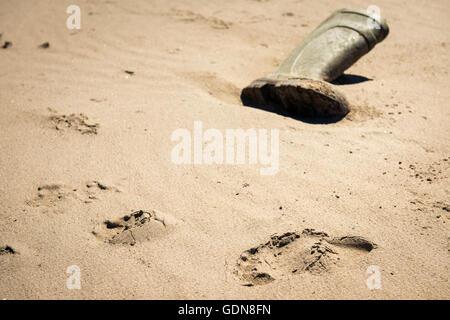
pixel 49 195
pixel 76 122
pixel 7 250
pixel 139 226
pixel 94 189
pixel 293 253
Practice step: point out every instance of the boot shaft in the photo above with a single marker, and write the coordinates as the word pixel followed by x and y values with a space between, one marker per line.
pixel 334 46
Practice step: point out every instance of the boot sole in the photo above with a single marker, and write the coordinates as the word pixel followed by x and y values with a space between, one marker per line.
pixel 303 97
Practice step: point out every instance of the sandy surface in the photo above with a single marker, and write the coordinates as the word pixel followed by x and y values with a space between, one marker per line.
pixel 381 173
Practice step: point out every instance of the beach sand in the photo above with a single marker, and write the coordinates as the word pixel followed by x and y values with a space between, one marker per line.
pixel 85 143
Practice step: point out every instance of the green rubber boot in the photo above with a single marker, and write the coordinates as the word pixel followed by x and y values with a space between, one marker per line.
pixel 299 85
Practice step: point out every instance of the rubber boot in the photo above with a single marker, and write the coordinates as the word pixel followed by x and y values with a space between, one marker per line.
pixel 299 85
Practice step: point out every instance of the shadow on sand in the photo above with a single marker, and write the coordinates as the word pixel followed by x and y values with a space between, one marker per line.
pixel 346 79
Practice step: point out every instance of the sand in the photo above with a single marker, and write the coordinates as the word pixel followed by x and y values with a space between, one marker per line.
pixel 86 177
